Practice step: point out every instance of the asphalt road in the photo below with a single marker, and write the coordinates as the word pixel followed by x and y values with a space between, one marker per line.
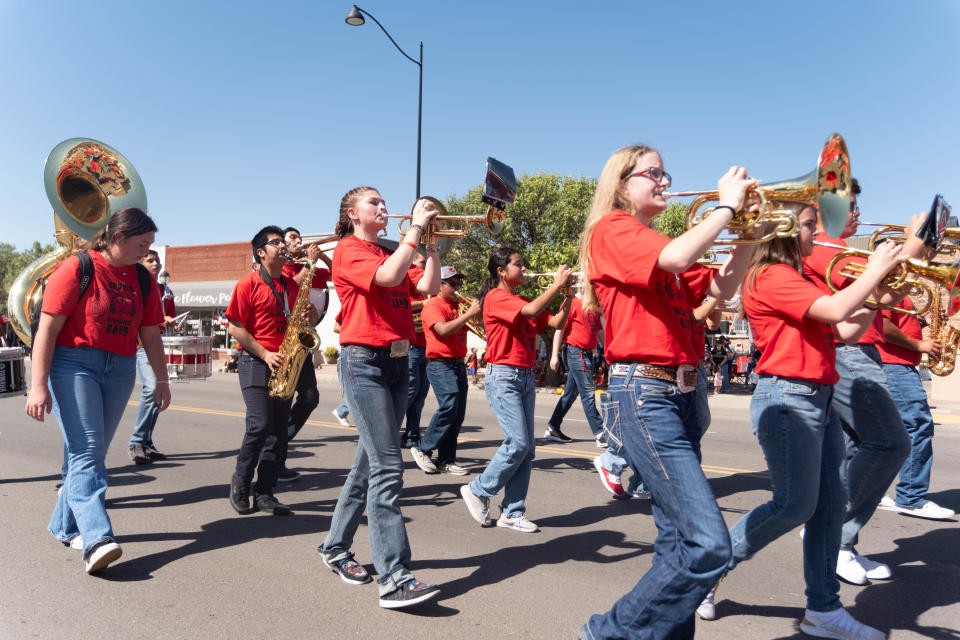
pixel 192 568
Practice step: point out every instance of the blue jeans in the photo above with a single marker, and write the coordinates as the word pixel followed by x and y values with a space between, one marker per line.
pixel 416 394
pixel 149 409
pixel 449 381
pixel 802 442
pixel 877 444
pixel 659 427
pixel 703 390
pixel 511 394
pixel 90 389
pixel 725 377
pixel 580 369
pixel 908 393
pixel 375 387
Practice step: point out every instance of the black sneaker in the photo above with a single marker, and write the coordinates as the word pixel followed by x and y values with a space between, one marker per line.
pixel 410 593
pixel 240 497
pixel 287 475
pixel 152 452
pixel 138 454
pixel 556 435
pixel 349 570
pixel 269 504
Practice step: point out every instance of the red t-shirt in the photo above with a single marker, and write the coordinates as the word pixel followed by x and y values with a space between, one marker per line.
pixel 815 268
pixel 371 315
pixel 791 343
pixel 320 275
pixel 582 326
pixel 894 354
pixel 254 305
pixel 109 315
pixel 647 309
pixel 419 339
pixel 511 337
pixel 439 310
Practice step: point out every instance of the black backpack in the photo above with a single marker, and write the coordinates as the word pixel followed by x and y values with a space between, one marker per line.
pixel 86 276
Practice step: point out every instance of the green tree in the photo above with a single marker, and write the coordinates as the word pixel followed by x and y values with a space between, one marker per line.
pixel 673 221
pixel 12 262
pixel 544 224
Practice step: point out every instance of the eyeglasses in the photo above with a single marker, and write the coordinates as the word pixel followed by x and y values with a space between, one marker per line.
pixel 654 173
pixel 276 242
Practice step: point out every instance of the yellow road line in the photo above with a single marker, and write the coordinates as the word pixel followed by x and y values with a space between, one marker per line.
pixel 575 453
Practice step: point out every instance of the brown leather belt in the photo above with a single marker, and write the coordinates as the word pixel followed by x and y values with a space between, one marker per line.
pixel 668 374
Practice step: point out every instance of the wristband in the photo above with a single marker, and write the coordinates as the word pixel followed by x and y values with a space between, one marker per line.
pixel 410 244
pixel 723 206
pixel 163 382
pixel 431 248
pixel 418 226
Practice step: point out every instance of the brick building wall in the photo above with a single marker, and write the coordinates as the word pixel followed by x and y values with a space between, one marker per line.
pixel 208 262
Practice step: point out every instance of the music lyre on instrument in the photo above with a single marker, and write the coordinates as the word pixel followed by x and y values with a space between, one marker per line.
pixel 933 230
pixel 829 187
pixel 500 190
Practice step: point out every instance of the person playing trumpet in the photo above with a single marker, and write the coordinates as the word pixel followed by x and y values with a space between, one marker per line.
pixel 876 441
pixel 445 330
pixel 647 285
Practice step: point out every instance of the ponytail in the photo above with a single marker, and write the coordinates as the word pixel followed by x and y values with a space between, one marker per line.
pixel 499 259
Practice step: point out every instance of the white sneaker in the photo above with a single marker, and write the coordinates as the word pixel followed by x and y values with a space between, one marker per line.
pixel 708 608
pixel 453 469
pixel 641 494
pixel 76 542
pixel 478 507
pixel 601 441
pixel 872 569
pixel 520 523
pixel 423 460
pixel 930 510
pixel 341 419
pixel 887 504
pixel 849 570
pixel 837 624
pixel 101 556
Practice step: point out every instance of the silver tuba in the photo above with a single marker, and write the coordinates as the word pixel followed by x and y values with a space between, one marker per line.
pixel 86 182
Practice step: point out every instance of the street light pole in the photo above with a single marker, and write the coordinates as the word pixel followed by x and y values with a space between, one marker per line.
pixel 355 19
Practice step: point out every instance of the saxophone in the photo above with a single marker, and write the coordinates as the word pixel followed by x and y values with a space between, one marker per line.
pixel 947 336
pixel 298 341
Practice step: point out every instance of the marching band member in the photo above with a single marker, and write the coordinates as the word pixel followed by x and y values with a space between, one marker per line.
pixel 140 449
pixel 900 352
pixel 793 418
pixel 647 285
pixel 876 441
pixel 419 382
pixel 308 397
pixel 446 334
pixel 377 326
pixel 575 345
pixel 259 314
pixel 84 368
pixel 512 323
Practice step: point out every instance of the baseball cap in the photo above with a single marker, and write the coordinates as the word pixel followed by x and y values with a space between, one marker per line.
pixel 448 272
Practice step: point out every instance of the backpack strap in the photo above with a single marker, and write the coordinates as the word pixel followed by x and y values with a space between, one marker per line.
pixel 86 272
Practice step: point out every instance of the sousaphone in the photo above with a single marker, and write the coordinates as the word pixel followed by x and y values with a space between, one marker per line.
pixel 86 182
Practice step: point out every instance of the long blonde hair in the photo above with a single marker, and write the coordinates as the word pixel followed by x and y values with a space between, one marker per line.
pixel 606 198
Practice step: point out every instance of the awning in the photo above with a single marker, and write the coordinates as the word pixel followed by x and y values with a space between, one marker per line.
pixel 204 295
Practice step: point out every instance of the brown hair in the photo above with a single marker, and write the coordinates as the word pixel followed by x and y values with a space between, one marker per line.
pixel 344 226
pixel 606 198
pixel 777 251
pixel 126 223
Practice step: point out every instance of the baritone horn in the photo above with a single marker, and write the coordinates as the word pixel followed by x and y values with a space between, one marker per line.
pixel 942 274
pixel 828 187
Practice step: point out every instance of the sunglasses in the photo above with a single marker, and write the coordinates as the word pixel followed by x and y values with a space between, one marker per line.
pixel 654 173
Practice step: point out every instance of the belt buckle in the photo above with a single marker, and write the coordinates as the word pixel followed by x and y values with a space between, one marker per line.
pixel 687 378
pixel 399 348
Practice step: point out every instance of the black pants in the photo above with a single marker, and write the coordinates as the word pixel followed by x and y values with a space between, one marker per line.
pixel 307 400
pixel 265 438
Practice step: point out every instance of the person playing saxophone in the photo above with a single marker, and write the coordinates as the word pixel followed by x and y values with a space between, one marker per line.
pixel 259 312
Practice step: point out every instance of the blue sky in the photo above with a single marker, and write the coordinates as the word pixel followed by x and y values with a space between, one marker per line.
pixel 239 114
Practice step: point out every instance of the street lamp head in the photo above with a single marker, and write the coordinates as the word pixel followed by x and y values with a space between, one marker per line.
pixel 355 18
pixel 163 278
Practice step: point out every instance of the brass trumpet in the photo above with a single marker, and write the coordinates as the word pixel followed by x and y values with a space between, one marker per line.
pixel 545 280
pixel 943 274
pixel 474 324
pixel 447 226
pixel 828 187
pixel 712 257
pixel 316 239
pixel 898 233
